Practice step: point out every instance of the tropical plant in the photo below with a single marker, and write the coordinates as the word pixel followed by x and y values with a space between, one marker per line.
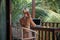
pixel 41 6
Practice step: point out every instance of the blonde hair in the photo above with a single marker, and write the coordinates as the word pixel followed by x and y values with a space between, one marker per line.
pixel 25 9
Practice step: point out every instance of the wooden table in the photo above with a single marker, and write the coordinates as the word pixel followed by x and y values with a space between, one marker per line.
pixel 53 30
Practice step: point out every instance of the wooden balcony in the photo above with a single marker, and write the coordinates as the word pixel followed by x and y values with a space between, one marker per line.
pixel 48 31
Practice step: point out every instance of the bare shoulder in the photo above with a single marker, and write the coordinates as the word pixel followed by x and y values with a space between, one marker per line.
pixel 21 19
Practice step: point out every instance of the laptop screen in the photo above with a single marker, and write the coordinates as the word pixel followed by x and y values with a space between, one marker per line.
pixel 37 21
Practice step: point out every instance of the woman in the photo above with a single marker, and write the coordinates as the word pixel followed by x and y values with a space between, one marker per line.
pixel 26 21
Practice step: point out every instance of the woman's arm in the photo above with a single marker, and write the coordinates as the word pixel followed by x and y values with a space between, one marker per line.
pixel 32 22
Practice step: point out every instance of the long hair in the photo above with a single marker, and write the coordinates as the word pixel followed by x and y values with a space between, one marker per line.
pixel 26 10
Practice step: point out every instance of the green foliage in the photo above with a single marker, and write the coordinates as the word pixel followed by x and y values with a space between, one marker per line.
pixel 53 5
pixel 52 16
pixel 17 6
pixel 45 5
pixel 40 12
pixel 41 7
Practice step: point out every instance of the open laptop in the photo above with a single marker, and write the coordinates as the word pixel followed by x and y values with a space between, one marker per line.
pixel 37 22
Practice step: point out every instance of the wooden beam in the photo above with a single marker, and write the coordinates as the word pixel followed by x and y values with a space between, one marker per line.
pixel 33 8
pixel 10 21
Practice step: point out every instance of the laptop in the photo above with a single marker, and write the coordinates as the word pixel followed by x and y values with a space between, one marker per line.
pixel 37 22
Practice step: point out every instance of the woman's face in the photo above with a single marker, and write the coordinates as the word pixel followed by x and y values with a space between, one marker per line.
pixel 25 15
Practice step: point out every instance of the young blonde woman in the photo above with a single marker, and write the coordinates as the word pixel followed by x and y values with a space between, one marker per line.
pixel 26 21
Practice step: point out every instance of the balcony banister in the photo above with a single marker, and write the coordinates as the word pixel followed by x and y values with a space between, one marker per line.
pixel 47 31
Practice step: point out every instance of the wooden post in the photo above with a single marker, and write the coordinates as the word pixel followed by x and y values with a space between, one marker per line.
pixel 33 8
pixel 8 19
pixel 10 22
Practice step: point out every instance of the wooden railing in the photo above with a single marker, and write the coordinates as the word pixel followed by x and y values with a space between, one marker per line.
pixel 50 24
pixel 48 31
